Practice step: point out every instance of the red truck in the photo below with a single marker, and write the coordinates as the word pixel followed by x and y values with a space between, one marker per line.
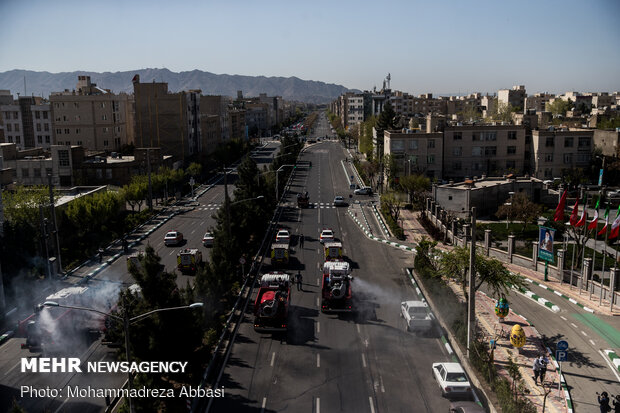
pixel 336 288
pixel 272 303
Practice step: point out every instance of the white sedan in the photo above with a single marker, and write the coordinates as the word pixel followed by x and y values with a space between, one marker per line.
pixel 339 201
pixel 327 235
pixel 283 236
pixel 208 239
pixel 452 379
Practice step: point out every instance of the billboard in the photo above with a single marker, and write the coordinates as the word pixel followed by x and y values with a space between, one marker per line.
pixel 545 243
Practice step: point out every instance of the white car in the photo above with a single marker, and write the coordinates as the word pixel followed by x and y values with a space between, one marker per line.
pixel 173 238
pixel 452 379
pixel 613 194
pixel 416 315
pixel 208 239
pixel 327 235
pixel 363 191
pixel 283 236
pixel 339 201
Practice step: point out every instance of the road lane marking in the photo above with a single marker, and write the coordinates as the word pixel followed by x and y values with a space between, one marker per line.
pixel 584 333
pixel 318 405
pixel 363 360
pixel 563 318
pixel 264 404
pixel 61 405
pixel 574 325
pixel 318 305
pixel 318 327
pixel 358 328
pixel 381 381
pixel 102 357
pixel 12 368
pixel 273 357
pixel 372 406
pixel 317 282
pixel 318 360
pixel 592 342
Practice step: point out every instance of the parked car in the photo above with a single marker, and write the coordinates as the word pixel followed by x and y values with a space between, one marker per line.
pixel 366 190
pixel 466 407
pixel 173 238
pixel 208 239
pixel 283 236
pixel 327 235
pixel 613 194
pixel 339 201
pixel 452 379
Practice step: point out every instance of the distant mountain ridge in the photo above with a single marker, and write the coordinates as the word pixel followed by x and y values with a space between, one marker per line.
pixel 290 88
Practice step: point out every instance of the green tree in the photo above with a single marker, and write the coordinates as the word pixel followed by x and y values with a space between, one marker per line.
pixel 135 193
pixel 194 169
pixel 521 209
pixel 416 187
pixel 387 120
pixel 502 112
pixel 559 107
pixel 393 203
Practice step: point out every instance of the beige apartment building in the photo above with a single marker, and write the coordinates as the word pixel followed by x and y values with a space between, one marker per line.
pixel 415 152
pixel 92 117
pixel 514 97
pixel 476 150
pixel 554 150
pixel 26 122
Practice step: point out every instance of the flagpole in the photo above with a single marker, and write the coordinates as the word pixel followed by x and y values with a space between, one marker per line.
pixel 584 240
pixel 600 298
pixel 594 253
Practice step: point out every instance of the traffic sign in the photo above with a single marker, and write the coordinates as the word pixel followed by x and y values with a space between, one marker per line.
pixel 561 355
pixel 241 260
pixel 561 345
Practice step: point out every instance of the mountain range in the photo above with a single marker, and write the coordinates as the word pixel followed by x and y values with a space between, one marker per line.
pixel 290 88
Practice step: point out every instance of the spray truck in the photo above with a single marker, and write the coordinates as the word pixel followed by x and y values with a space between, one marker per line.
pixel 188 260
pixel 272 303
pixel 336 288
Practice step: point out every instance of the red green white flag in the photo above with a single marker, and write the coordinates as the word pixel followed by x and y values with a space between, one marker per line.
pixel 594 222
pixel 582 220
pixel 604 229
pixel 615 227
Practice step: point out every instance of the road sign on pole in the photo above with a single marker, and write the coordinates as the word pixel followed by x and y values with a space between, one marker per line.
pixel 561 355
pixel 561 345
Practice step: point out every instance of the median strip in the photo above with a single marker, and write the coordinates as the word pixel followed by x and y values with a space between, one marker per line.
pixel 572 300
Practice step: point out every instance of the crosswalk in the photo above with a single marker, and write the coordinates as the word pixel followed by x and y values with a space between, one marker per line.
pixel 313 205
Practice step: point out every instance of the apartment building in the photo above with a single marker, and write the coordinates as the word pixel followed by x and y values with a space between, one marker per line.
pixel 237 125
pixel 554 150
pixel 415 152
pixel 170 121
pixel 608 141
pixel 476 150
pixel 27 122
pixel 459 104
pixel 218 106
pixel 514 97
pixel 92 117
pixel 538 102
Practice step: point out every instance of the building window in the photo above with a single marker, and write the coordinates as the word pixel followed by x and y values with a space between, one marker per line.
pixel 413 144
pixel 511 150
pixel 63 158
pixel 549 157
pixel 458 136
pixel 48 171
pixel 9 127
pixel 490 150
pixel 105 142
pixel 413 159
pixel 457 151
pixel 25 172
pixel 37 114
pixel 476 166
pixel 568 158
pixel 430 159
pixel 457 166
pixel 44 115
pixel 40 139
pixel 15 115
pixel 77 130
pixel 583 142
pixel 490 136
pixel 79 143
pixel 77 117
pixel 105 130
pixel 46 127
pixel 549 142
pixel 510 164
pixel 10 139
pixel 58 131
pixel 103 104
pixel 528 138
pixel 548 173
pixel 38 127
pixel 18 139
pixel 568 142
pixel 76 105
pixel 47 138
pixel 512 135
pixel 16 127
pixel 104 117
pixel 583 157
pixel 476 136
pixel 476 151
pixel 67 131
pixel 431 143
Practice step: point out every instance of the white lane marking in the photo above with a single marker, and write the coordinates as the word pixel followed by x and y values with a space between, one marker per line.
pixel 12 368
pixel 584 333
pixel 102 357
pixel 61 405
pixel 592 342
pixel 372 406
pixel 363 360
pixel 358 328
pixel 318 405
pixel 264 404
pixel 318 360
pixel 317 282
pixel 193 231
pixel 613 368
pixel 381 381
pixel 563 318
pixel 273 358
pixel 319 217
pixel 573 324
pixel 318 304
pixel 318 327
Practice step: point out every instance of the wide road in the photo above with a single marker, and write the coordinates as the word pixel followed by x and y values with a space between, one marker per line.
pixel 193 224
pixel 359 362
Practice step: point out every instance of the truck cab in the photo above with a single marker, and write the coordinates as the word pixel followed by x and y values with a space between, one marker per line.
pixel 336 291
pixel 188 260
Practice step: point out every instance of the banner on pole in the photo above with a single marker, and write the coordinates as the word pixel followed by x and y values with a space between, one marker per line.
pixel 545 244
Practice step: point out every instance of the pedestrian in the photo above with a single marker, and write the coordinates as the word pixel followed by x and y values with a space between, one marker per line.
pixel 100 253
pixel 543 361
pixel 301 240
pixel 603 402
pixel 617 403
pixel 124 243
pixel 536 368
pixel 299 279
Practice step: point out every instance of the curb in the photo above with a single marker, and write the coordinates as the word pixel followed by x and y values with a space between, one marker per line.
pixel 383 241
pixel 538 299
pixel 380 219
pixel 572 300
pixel 615 359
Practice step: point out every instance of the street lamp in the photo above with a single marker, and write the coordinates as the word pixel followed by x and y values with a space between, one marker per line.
pixel 277 175
pixel 126 323
pixel 248 199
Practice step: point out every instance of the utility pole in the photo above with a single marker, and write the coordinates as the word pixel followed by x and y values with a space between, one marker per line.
pixel 471 308
pixel 2 299
pixel 53 214
pixel 148 166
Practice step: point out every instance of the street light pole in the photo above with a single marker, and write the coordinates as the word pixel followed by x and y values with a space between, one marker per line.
pixel 277 175
pixel 471 308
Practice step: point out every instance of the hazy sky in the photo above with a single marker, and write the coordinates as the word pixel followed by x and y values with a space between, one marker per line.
pixel 436 46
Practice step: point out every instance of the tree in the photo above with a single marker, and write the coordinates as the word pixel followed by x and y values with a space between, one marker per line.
pixel 559 107
pixel 392 203
pixel 392 168
pixel 387 120
pixel 416 187
pixel 455 265
pixel 502 112
pixel 136 191
pixel 366 138
pixel 520 209
pixel 194 169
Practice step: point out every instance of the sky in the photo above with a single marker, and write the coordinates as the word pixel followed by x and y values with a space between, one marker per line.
pixel 431 46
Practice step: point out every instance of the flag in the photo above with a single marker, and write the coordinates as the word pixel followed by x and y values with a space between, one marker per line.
pixel 582 220
pixel 615 227
pixel 559 211
pixel 594 222
pixel 604 229
pixel 574 216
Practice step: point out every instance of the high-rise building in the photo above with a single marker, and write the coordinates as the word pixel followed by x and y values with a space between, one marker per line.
pixel 27 122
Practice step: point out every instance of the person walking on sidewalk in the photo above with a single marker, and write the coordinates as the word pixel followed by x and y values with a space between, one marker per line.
pixel 542 362
pixel 617 404
pixel 603 402
pixel 536 368
pixel 301 240
pixel 299 280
